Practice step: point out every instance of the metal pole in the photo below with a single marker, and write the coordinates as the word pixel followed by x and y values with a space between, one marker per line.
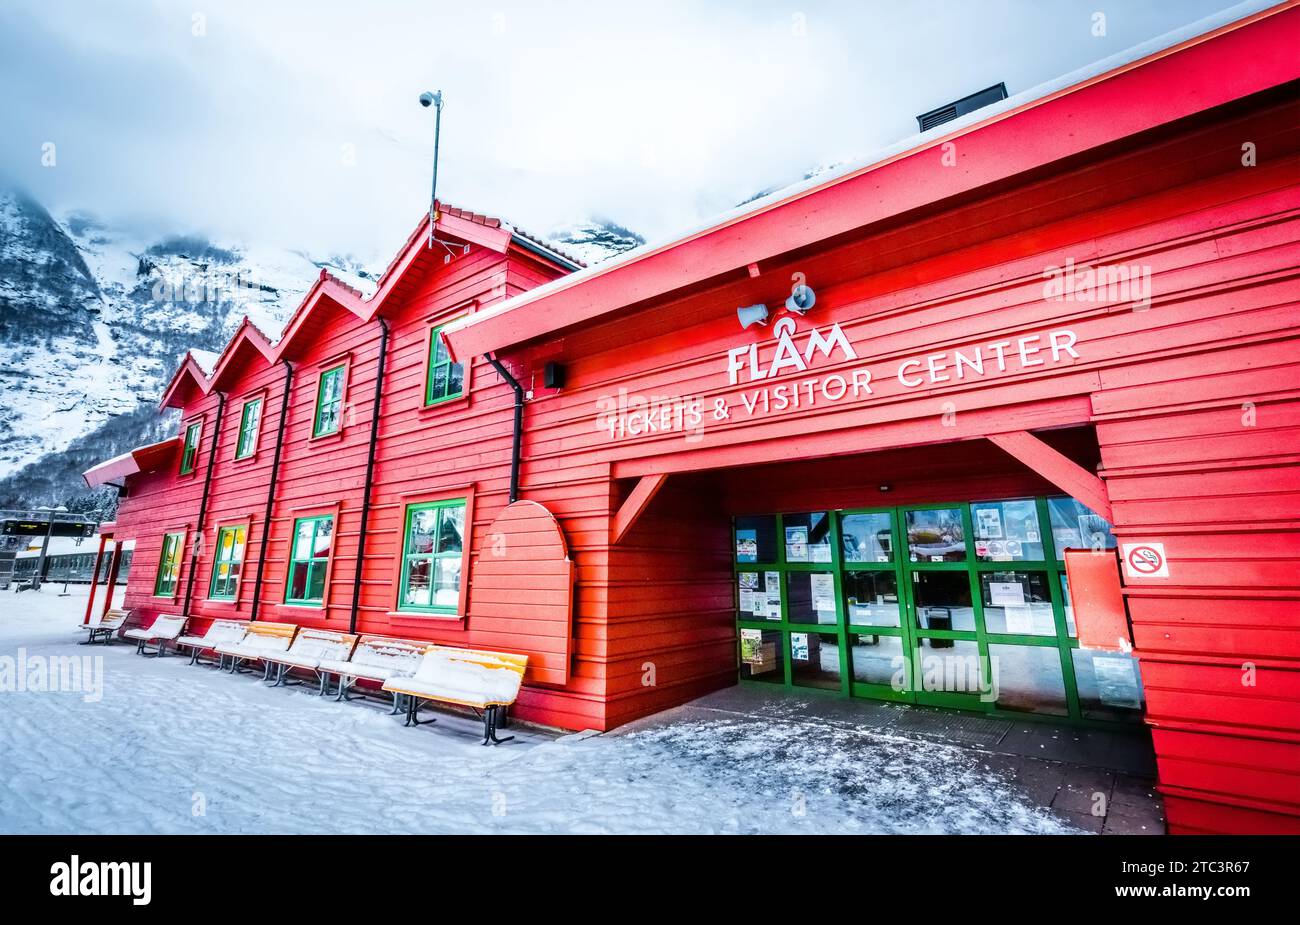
pixel 370 475
pixel 517 439
pixel 270 488
pixel 45 548
pixel 437 134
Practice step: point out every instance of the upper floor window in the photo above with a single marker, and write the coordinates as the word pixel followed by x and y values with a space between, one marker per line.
pixel 250 423
pixel 190 452
pixel 444 379
pixel 169 565
pixel 329 402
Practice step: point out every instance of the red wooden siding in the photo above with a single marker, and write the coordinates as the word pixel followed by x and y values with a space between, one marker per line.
pixel 521 590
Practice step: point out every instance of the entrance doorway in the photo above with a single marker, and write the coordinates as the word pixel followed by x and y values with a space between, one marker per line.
pixel 963 605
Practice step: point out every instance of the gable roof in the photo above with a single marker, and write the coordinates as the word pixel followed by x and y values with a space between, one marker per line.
pixel 201 372
pixel 1238 52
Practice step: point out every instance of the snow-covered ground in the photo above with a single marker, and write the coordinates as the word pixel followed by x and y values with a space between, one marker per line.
pixel 168 748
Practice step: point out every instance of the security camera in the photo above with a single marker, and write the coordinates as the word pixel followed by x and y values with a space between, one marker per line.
pixel 428 98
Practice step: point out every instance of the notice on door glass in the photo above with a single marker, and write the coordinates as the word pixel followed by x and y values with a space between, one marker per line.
pixel 773 585
pixel 796 544
pixel 1020 620
pixel 799 647
pixel 1006 593
pixel 823 593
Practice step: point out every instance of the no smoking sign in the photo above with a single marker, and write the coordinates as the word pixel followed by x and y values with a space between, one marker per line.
pixel 1144 560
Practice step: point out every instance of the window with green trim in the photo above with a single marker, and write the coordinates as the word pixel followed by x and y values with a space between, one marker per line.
pixel 444 379
pixel 250 422
pixel 431 556
pixel 329 402
pixel 313 539
pixel 229 562
pixel 190 453
pixel 169 565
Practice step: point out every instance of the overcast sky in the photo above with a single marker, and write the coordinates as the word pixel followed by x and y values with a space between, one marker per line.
pixel 297 123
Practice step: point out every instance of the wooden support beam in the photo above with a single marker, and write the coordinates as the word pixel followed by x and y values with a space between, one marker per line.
pixel 635 505
pixel 94 578
pixel 1057 468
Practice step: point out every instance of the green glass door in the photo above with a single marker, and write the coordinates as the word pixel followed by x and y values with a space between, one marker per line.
pixel 946 662
pixel 878 639
pixel 962 605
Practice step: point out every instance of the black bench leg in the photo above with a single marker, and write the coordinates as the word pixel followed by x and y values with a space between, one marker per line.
pixel 343 688
pixel 490 727
pixel 413 712
pixel 139 647
pixel 397 704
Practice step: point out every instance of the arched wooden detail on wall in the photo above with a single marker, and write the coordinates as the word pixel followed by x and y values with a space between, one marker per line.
pixel 523 585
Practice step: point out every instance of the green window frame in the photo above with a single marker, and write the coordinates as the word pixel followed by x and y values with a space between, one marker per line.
pixel 169 565
pixel 329 402
pixel 310 549
pixel 443 380
pixel 228 564
pixel 433 543
pixel 250 423
pixel 190 452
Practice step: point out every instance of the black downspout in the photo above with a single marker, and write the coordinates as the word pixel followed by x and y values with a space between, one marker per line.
pixel 519 423
pixel 270 489
pixel 203 505
pixel 370 474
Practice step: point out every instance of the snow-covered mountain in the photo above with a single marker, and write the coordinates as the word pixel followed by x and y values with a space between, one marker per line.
pixel 595 240
pixel 94 319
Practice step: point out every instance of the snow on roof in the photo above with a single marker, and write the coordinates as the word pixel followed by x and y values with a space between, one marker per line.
pixel 827 177
pixel 59 546
pixel 206 359
pixel 364 286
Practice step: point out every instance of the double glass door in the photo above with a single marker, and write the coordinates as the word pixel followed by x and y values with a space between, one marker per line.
pixel 963 605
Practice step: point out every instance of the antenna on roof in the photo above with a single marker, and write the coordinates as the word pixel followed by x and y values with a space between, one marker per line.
pixel 427 99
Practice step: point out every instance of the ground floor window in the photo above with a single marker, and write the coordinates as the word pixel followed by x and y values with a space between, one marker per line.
pixel 228 563
pixel 169 565
pixel 432 551
pixel 962 604
pixel 313 540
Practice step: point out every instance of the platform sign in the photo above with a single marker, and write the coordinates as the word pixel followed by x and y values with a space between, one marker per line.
pixel 1144 560
pixel 39 528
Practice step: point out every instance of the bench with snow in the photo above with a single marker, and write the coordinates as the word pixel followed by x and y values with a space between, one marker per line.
pixel 165 628
pixel 261 640
pixel 104 626
pixel 310 647
pixel 220 633
pixel 486 682
pixel 376 659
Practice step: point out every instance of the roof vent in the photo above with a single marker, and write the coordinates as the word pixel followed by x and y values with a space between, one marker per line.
pixel 950 111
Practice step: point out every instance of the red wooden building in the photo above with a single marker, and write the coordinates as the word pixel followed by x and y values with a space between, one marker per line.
pixel 1064 321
